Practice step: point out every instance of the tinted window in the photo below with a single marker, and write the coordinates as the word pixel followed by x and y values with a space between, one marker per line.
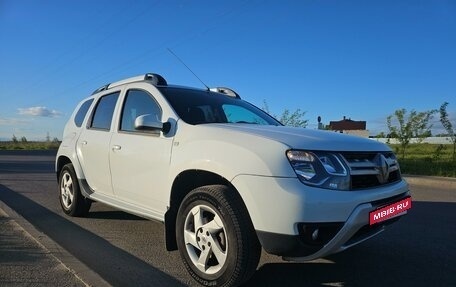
pixel 80 115
pixel 138 103
pixel 200 107
pixel 104 110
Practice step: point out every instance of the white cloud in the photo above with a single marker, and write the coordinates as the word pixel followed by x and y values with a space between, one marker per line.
pixel 39 112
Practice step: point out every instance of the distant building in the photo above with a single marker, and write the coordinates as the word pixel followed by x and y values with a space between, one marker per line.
pixel 348 126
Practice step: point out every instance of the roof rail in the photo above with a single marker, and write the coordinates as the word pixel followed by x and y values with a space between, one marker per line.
pixel 103 88
pixel 226 91
pixel 156 80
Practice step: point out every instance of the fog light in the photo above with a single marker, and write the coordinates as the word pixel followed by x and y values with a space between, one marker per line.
pixel 318 233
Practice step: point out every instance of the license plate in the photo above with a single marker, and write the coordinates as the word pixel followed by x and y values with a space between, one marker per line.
pixel 390 211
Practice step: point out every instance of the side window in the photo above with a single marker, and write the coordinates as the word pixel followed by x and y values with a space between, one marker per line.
pixel 104 110
pixel 80 115
pixel 138 103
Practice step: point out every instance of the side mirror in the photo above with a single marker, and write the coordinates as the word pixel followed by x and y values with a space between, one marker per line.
pixel 149 122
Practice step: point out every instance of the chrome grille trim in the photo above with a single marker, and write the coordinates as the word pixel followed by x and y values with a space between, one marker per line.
pixel 371 169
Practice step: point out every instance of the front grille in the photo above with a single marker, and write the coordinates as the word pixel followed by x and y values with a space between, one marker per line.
pixel 369 170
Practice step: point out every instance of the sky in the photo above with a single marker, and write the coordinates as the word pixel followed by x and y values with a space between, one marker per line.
pixel 358 59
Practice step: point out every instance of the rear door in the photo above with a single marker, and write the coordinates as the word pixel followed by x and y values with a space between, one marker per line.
pixel 94 142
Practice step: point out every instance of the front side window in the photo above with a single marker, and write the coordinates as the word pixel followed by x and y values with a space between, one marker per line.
pixel 203 107
pixel 102 116
pixel 138 103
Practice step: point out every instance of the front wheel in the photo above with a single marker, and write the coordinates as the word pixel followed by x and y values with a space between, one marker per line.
pixel 216 238
pixel 72 201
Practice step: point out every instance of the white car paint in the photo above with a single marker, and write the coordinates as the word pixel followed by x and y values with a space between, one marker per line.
pixel 135 172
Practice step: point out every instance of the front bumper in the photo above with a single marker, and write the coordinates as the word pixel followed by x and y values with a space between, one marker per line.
pixel 354 231
pixel 280 208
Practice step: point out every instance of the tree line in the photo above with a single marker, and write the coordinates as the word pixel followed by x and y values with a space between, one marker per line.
pixel 403 126
pixel 23 139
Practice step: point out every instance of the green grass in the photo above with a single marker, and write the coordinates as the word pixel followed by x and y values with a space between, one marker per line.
pixel 427 159
pixel 9 145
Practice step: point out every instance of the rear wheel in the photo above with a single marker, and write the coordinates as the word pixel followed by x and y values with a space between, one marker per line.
pixel 215 236
pixel 71 200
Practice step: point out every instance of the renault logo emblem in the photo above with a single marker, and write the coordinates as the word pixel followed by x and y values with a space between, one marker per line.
pixel 383 168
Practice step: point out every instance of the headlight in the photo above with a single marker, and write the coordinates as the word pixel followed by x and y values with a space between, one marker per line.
pixel 321 169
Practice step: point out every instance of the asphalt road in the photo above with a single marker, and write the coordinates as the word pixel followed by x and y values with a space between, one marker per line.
pixel 111 247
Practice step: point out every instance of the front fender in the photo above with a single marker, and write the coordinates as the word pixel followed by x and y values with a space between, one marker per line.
pixel 228 154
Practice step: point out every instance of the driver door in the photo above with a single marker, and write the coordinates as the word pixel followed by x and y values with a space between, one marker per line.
pixel 140 159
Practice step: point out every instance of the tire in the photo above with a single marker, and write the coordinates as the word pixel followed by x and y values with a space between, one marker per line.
pixel 215 237
pixel 71 200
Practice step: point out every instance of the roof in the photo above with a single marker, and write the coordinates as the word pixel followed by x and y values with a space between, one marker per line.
pixel 347 124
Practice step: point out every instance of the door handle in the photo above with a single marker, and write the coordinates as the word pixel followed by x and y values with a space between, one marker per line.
pixel 84 142
pixel 116 147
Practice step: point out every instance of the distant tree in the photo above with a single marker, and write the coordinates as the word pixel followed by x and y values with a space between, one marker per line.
pixel 404 127
pixel 23 139
pixel 55 140
pixel 426 134
pixel 293 119
pixel 288 118
pixel 381 135
pixel 446 123
pixel 15 139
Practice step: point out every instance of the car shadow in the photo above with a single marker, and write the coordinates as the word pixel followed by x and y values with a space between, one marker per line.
pixel 419 250
pixel 114 265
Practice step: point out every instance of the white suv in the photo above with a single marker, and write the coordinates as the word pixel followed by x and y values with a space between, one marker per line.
pixel 224 177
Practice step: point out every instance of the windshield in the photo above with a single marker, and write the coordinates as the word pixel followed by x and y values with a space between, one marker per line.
pixel 203 107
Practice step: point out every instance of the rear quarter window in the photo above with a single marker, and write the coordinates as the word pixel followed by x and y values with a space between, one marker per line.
pixel 82 112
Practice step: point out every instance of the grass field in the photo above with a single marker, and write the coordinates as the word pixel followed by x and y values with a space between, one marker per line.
pixel 420 159
pixel 427 159
pixel 30 145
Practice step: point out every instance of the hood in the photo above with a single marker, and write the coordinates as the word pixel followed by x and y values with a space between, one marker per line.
pixel 307 139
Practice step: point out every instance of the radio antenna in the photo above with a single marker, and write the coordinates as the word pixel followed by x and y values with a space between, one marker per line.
pixel 169 50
